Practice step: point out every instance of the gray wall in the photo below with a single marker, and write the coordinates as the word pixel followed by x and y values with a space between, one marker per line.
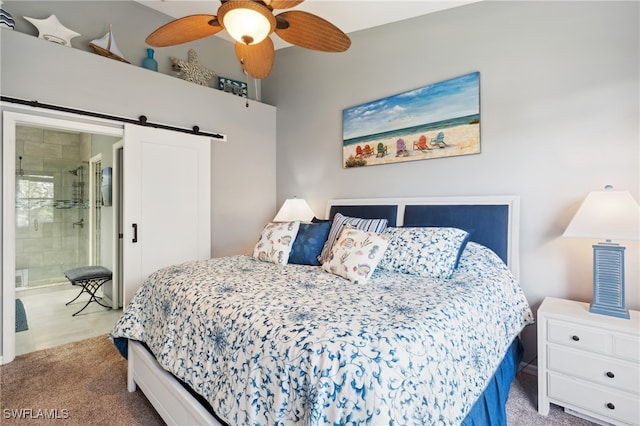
pixel 559 118
pixel 131 24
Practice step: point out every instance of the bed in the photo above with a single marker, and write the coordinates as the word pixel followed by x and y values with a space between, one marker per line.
pixel 376 333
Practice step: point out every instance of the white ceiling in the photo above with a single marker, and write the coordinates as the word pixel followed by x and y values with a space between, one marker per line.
pixel 348 15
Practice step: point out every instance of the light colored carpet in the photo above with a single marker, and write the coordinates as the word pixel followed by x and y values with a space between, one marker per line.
pixel 80 383
pixel 522 406
pixel 85 383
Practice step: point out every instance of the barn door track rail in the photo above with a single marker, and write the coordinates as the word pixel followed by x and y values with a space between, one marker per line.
pixel 141 121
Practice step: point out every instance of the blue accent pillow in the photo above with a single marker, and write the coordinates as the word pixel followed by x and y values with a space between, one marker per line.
pixel 309 243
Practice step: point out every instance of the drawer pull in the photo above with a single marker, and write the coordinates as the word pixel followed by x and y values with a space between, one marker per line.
pixel 610 406
pixel 610 374
pixel 575 338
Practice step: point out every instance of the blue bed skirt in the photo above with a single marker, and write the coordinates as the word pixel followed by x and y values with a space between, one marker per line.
pixel 489 409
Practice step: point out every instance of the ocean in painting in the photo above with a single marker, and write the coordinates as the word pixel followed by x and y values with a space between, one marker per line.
pixel 421 128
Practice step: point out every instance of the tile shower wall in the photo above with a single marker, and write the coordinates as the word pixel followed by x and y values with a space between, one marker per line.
pixel 52 232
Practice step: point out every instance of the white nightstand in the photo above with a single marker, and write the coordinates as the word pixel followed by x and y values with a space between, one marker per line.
pixel 588 363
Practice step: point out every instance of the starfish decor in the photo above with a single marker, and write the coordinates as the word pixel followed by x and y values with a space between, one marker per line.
pixel 191 70
pixel 52 30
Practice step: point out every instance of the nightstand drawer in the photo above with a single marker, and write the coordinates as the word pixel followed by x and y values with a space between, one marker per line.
pixel 575 336
pixel 627 348
pixel 604 370
pixel 593 398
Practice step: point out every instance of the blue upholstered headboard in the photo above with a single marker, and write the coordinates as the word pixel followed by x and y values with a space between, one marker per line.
pixel 493 221
pixel 389 212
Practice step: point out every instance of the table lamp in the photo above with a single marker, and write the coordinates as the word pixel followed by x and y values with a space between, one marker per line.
pixel 294 209
pixel 609 215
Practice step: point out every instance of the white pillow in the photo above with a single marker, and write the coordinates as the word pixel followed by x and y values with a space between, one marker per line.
pixel 276 241
pixel 428 252
pixel 356 254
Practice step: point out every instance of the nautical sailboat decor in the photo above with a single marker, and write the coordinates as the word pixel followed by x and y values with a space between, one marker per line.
pixel 106 46
pixel 6 20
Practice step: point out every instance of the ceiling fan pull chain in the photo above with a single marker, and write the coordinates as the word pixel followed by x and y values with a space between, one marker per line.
pixel 255 88
pixel 247 81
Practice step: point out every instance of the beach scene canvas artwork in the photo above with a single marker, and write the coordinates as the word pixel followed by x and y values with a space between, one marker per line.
pixel 434 121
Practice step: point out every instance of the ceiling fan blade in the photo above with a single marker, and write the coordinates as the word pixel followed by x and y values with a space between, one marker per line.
pixel 283 4
pixel 256 59
pixel 183 30
pixel 311 32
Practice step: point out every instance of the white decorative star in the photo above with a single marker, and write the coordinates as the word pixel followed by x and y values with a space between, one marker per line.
pixel 52 30
pixel 191 70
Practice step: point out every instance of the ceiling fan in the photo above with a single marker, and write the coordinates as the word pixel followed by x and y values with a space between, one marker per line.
pixel 250 22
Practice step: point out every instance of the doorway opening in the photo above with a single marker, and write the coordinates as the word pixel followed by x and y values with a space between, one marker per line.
pixel 55 220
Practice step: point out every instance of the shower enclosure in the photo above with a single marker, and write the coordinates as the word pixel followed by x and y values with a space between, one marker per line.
pixel 52 205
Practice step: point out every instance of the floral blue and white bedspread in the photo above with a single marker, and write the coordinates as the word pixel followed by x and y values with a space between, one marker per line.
pixel 267 344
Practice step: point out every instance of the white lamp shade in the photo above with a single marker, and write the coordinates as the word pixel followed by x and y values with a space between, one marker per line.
pixel 248 22
pixel 608 214
pixel 294 209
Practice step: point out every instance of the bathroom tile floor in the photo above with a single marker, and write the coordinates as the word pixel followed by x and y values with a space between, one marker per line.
pixel 51 322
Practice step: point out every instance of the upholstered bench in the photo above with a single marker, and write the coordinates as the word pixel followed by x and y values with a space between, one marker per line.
pixel 90 278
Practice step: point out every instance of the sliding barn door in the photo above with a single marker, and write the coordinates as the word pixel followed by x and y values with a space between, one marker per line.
pixel 166 202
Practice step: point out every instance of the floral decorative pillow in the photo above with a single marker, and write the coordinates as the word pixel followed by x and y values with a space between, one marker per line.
pixel 339 221
pixel 356 254
pixel 309 242
pixel 276 241
pixel 427 252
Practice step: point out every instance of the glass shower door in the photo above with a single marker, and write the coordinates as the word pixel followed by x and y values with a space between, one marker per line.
pixel 50 205
pixel 34 211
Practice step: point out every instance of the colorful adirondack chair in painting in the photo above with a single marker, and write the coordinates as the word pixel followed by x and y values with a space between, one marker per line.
pixel 367 151
pixel 382 150
pixel 401 148
pixel 358 151
pixel 439 140
pixel 421 144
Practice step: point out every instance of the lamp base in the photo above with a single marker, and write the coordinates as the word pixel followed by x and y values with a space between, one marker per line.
pixel 607 310
pixel 608 281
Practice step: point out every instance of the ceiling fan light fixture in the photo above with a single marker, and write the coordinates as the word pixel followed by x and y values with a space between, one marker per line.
pixel 247 22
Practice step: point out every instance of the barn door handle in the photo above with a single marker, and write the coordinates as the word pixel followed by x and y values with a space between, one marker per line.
pixel 135 233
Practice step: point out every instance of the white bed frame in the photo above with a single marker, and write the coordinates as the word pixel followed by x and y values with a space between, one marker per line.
pixel 171 400
pixel 177 406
